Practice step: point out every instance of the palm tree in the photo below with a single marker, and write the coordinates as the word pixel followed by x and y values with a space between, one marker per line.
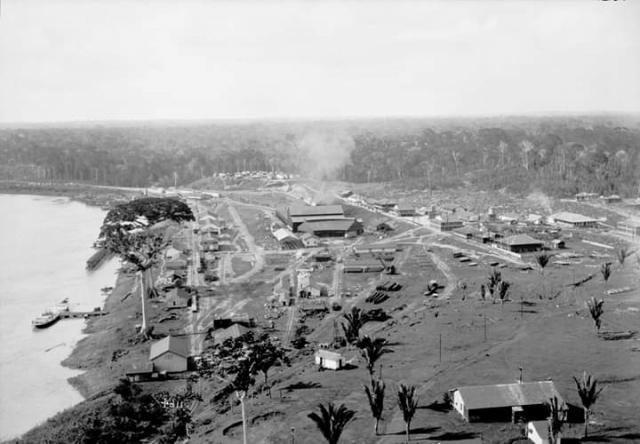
pixel 622 254
pixel 372 350
pixel 408 403
pixel 605 270
pixel 331 421
pixel 354 322
pixel 556 418
pixel 596 310
pixel 375 395
pixel 588 392
pixel 542 260
pixel 266 354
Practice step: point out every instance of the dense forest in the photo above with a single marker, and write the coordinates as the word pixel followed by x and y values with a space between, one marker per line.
pixel 558 155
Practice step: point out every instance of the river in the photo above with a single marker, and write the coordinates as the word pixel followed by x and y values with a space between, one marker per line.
pixel 44 245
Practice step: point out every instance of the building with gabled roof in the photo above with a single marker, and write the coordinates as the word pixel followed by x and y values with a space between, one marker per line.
pixel 234 331
pixel 405 210
pixel 169 354
pixel 506 402
pixel 520 243
pixel 575 220
pixel 345 227
pixel 295 216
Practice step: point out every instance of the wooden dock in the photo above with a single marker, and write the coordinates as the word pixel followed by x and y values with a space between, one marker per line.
pixel 82 314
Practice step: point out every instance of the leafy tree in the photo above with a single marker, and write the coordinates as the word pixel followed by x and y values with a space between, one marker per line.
pixel 408 403
pixel 332 420
pixel 605 271
pixel 372 350
pixel 375 396
pixel 353 323
pixel 589 393
pixel 596 310
pixel 265 355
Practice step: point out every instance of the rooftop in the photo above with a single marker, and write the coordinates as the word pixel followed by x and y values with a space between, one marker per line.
pixel 565 216
pixel 318 210
pixel 173 344
pixel 327 354
pixel 508 395
pixel 327 225
pixel 521 239
pixel 234 331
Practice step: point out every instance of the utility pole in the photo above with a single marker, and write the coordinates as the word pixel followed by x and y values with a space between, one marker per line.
pixel 485 327
pixel 440 347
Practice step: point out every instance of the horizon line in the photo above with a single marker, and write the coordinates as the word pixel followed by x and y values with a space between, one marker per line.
pixel 290 119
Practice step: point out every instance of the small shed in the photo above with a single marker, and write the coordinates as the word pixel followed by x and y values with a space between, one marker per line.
pixel 386 226
pixel 169 354
pixel 139 371
pixel 328 359
pixel 309 240
pixel 405 210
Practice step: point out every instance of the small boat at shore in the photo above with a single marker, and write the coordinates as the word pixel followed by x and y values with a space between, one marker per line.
pixel 51 315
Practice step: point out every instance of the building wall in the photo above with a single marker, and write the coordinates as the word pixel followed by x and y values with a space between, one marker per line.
pixel 170 362
pixel 458 404
pixel 328 363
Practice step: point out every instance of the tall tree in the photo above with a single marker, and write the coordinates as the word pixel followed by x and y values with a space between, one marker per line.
pixel 265 355
pixel 408 403
pixel 375 396
pixel 589 393
pixel 332 420
pixel 596 310
pixel 372 350
pixel 503 291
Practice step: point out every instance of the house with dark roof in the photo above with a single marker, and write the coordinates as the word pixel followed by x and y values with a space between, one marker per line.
pixel 345 227
pixel 169 354
pixel 506 402
pixel 520 243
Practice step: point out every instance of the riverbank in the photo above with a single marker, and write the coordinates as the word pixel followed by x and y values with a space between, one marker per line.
pixel 93 195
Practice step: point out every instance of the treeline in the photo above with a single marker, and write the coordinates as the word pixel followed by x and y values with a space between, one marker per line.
pixel 560 160
pixel 558 155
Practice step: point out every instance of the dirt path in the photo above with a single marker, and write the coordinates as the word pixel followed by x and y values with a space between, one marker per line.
pixel 257 252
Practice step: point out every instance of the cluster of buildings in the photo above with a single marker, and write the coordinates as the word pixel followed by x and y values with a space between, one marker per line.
pixel 613 198
pixel 305 224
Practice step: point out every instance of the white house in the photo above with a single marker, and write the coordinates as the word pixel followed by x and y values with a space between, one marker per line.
pixel 329 359
pixel 169 354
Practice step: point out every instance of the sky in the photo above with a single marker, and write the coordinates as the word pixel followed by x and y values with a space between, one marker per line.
pixel 90 60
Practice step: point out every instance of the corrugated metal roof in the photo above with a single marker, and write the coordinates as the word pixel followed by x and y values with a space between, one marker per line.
pixel 521 239
pixel 508 395
pixel 316 211
pixel 313 226
pixel 573 218
pixel 173 344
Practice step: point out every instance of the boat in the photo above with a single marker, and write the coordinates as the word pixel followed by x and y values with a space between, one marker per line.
pixel 51 315
pixel 46 319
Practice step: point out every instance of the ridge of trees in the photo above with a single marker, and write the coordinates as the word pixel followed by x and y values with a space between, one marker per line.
pixel 559 155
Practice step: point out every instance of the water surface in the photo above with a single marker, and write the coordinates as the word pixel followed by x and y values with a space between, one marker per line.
pixel 44 245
